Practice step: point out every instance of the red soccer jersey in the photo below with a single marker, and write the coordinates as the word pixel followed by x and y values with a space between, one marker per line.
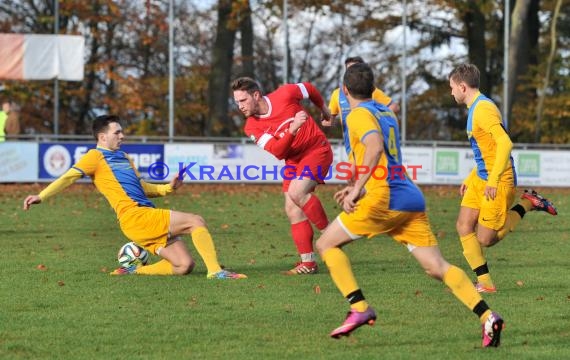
pixel 268 129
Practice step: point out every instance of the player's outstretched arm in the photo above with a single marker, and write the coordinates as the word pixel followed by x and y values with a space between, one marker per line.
pixel 30 200
pixel 65 180
pixel 156 190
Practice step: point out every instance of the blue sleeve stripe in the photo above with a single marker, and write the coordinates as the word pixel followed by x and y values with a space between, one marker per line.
pixel 81 171
pixel 368 133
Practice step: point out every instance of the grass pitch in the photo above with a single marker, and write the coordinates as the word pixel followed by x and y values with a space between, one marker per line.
pixel 57 300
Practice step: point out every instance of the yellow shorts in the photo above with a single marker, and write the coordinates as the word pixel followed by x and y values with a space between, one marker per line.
pixel 492 213
pixel 148 227
pixel 370 219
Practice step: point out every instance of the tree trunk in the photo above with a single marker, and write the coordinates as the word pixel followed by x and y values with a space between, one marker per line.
pixel 247 37
pixel 519 25
pixel 551 55
pixel 90 78
pixel 219 81
pixel 474 20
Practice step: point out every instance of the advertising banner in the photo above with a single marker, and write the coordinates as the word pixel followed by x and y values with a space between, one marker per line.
pixel 452 165
pixel 17 165
pixel 542 168
pixel 56 158
pixel 418 162
pixel 245 162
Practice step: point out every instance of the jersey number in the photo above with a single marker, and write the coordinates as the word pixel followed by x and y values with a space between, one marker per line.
pixel 392 145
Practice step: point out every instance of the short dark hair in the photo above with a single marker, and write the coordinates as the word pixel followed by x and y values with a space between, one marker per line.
pixel 359 81
pixel 246 84
pixel 467 73
pixel 101 124
pixel 353 60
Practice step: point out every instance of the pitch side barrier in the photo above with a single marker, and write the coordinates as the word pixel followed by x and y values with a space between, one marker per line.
pixel 43 158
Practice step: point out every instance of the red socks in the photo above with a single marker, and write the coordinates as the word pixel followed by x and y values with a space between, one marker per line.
pixel 303 237
pixel 315 212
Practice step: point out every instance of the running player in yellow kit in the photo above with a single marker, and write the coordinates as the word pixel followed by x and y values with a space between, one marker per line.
pixel 380 203
pixel 484 217
pixel 157 230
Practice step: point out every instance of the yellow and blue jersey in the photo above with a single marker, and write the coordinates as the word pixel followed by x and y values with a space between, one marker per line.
pixel 483 120
pixel 339 105
pixel 116 177
pixel 390 184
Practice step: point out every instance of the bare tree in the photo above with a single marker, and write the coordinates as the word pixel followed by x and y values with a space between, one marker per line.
pixel 551 55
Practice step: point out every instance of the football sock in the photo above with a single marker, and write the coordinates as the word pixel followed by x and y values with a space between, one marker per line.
pixel 474 255
pixel 162 267
pixel 461 287
pixel 205 246
pixel 482 310
pixel 526 204
pixel 302 233
pixel 343 277
pixel 514 216
pixel 357 301
pixel 315 212
pixel 483 275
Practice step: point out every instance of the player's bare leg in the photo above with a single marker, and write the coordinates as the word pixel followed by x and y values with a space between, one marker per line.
pixel 301 193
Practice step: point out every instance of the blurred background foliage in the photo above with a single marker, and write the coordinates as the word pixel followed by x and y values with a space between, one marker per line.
pixel 126 60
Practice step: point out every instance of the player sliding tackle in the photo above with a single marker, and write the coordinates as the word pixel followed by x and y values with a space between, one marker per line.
pixel 156 230
pixel 393 206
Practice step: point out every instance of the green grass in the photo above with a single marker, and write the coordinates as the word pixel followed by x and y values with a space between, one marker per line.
pixel 74 309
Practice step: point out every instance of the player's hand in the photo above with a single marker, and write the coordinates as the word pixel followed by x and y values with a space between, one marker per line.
pixel 490 192
pixel 31 199
pixel 176 182
pixel 326 116
pixel 329 122
pixel 462 189
pixel 349 203
pixel 340 195
pixel 298 121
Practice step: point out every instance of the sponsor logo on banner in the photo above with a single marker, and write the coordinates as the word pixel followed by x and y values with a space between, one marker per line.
pixel 56 159
pixel 447 163
pixel 528 165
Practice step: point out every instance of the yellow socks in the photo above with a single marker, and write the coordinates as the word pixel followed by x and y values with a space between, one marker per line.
pixel 343 277
pixel 205 246
pixel 474 255
pixel 484 316
pixel 161 267
pixel 461 286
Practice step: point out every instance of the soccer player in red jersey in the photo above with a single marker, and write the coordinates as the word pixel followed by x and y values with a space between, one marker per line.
pixel 278 123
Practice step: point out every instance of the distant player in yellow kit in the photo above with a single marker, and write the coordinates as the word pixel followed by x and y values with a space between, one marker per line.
pixel 157 230
pixel 375 204
pixel 339 106
pixel 484 217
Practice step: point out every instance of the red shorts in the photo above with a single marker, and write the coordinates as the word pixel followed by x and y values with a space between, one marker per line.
pixel 314 165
